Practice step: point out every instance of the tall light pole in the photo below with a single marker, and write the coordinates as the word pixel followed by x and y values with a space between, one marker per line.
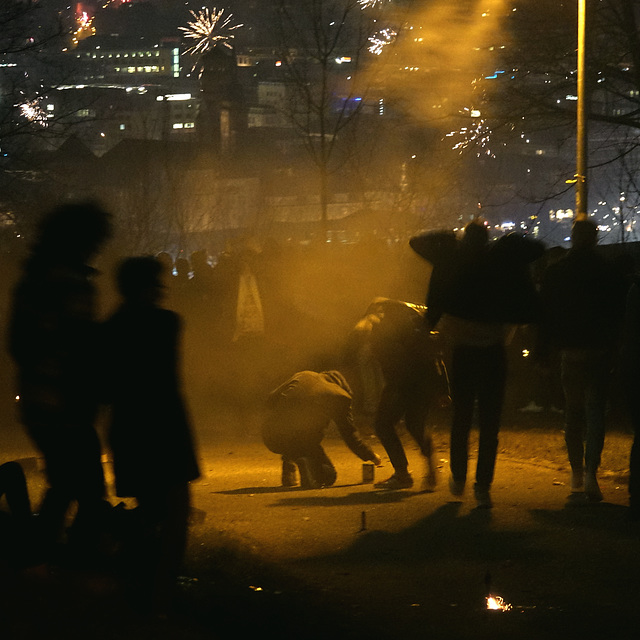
pixel 581 133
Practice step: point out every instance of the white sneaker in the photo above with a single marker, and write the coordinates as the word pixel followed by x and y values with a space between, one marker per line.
pixel 577 481
pixel 532 407
pixel 591 488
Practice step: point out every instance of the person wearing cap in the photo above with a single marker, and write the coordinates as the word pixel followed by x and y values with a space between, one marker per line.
pixel 298 415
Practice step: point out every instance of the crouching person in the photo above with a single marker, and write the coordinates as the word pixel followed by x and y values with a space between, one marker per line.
pixel 298 414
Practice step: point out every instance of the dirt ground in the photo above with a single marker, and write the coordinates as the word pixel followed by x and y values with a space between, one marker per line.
pixel 352 562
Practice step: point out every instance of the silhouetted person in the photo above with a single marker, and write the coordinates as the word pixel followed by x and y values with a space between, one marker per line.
pixel 299 413
pixel 52 337
pixel 179 298
pixel 583 298
pixel 401 344
pixel 150 436
pixel 202 281
pixel 166 260
pixel 478 291
pixel 630 375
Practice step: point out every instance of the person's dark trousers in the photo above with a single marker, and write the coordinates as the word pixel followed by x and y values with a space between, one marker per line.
pixel 168 509
pixel 74 471
pixel 16 533
pixel 586 376
pixel 477 373
pixel 409 400
pixel 634 458
pixel 13 485
pixel 634 474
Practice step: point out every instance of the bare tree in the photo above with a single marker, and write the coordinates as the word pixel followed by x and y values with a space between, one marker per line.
pixel 322 43
pixel 533 98
pixel 30 38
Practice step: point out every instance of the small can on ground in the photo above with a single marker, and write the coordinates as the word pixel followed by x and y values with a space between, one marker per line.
pixel 368 472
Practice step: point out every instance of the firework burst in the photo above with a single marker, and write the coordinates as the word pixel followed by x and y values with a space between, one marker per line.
pixel 209 28
pixel 381 39
pixel 476 135
pixel 369 4
pixel 32 110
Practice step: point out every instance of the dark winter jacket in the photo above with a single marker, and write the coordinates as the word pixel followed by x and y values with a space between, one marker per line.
pixel 149 431
pixel 491 283
pixel 302 408
pixel 583 300
pixel 53 340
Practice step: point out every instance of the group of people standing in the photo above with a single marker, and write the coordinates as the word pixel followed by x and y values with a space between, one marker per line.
pixel 583 311
pixel 479 292
pixel 69 365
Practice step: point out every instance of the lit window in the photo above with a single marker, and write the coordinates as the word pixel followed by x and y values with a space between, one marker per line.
pixel 178 125
pixel 189 125
pixel 123 127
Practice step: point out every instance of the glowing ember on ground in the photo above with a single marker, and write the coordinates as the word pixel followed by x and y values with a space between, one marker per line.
pixel 496 603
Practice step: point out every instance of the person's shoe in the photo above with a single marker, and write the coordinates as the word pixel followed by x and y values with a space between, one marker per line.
pixel 307 481
pixel 483 497
pixel 429 480
pixel 395 482
pixel 591 488
pixel 532 407
pixel 577 481
pixel 456 487
pixel 289 478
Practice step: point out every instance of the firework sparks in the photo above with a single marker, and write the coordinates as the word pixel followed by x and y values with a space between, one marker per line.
pixel 32 110
pixel 476 135
pixel 369 4
pixel 381 39
pixel 209 27
pixel 84 28
pixel 496 603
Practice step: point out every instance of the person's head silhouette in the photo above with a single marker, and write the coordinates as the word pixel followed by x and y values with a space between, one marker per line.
pixel 73 232
pixel 139 280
